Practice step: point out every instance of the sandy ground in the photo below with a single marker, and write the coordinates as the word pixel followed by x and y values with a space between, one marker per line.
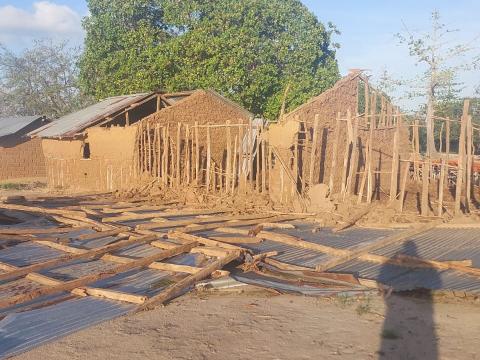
pixel 262 326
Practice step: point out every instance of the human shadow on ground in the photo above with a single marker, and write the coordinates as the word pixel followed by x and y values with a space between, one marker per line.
pixel 408 331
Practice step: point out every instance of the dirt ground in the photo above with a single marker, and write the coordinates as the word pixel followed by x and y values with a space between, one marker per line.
pixel 263 326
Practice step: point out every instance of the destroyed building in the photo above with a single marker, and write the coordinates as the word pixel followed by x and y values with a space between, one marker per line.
pixel 326 141
pixel 20 156
pixel 96 148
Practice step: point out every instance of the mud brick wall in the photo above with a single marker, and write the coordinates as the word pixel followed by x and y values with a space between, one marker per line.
pixel 23 160
pixel 110 166
pixel 203 107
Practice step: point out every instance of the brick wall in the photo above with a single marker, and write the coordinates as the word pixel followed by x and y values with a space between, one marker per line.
pixel 24 160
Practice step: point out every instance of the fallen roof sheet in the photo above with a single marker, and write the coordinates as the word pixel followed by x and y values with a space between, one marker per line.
pixel 13 124
pixel 71 124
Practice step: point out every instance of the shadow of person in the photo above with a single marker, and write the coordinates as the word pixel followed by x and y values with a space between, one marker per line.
pixel 408 331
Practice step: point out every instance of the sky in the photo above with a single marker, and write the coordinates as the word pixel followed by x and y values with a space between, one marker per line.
pixel 367 27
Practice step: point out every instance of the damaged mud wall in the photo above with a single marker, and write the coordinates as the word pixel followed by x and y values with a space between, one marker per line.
pixel 21 158
pixel 102 161
pixel 326 141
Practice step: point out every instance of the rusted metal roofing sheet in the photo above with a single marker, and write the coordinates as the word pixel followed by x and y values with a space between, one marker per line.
pixel 11 125
pixel 71 124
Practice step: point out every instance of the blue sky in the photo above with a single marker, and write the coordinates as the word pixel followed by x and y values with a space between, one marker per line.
pixel 367 28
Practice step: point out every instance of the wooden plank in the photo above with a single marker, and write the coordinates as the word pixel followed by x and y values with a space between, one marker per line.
pixel 37 231
pixel 469 164
pixel 206 227
pixel 178 156
pixel 178 288
pixel 441 186
pixel 364 249
pixel 179 235
pixel 103 234
pixel 237 239
pixel 110 294
pixel 152 215
pixel 73 284
pixel 424 207
pixel 196 221
pixel 395 163
pixel 90 254
pixel 405 170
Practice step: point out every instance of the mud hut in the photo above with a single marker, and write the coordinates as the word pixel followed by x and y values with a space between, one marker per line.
pixel 20 156
pixel 96 148
pixel 322 146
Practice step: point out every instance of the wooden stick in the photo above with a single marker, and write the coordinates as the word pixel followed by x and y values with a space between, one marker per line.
pixel 187 154
pixel 395 163
pixel 352 173
pixel 264 163
pixel 346 154
pixel 461 157
pixel 179 149
pixel 197 155
pixel 468 184
pixel 176 289
pixel 209 158
pixel 425 187
pixel 228 165
pixel 234 169
pixel 72 284
pixel 257 170
pixel 334 154
pixel 80 256
pixel 313 150
pixel 250 151
pixel 369 247
pixel 440 188
pixel 405 169
pixel 364 175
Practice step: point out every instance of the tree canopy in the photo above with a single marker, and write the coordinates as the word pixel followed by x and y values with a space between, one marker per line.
pixel 41 80
pixel 249 50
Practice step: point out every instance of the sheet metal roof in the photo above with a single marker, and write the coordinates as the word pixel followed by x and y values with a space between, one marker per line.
pixel 71 124
pixel 12 124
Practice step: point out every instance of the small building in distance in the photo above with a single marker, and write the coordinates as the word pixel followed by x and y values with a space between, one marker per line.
pixel 20 156
pixel 97 148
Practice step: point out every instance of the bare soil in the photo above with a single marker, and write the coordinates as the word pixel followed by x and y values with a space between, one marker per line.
pixel 263 326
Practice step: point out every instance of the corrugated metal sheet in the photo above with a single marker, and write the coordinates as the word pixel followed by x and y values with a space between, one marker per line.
pixel 13 124
pixel 20 332
pixel 73 123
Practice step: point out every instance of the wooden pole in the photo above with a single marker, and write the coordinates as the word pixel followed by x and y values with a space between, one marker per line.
pixel 405 171
pixel 395 161
pixel 425 186
pixel 352 174
pixel 416 152
pixel 264 163
pixel 313 151
pixel 164 155
pixel 167 155
pixel 346 154
pixel 440 187
pixel 149 139
pixel 461 157
pixel 228 165
pixel 257 172
pixel 187 154
pixel 154 152
pixel 197 155
pixel 334 154
pixel 250 151
pixel 468 185
pixel 209 159
pixel 364 175
pixel 179 149
pixel 234 169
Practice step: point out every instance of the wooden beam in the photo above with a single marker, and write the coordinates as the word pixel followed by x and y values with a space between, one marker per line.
pixel 82 281
pixel 152 215
pixel 178 288
pixel 81 256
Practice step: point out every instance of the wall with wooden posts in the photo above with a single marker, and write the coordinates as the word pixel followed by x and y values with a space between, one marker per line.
pixel 240 161
pixel 21 158
pixel 109 166
pixel 442 182
pixel 330 142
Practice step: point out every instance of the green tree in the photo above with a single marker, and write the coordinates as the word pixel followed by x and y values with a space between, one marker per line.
pixel 248 50
pixel 41 80
pixel 121 45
